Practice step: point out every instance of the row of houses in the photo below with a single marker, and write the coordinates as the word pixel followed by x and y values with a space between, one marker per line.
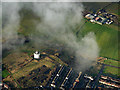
pixel 64 77
pixel 109 81
pixel 88 77
pixel 110 78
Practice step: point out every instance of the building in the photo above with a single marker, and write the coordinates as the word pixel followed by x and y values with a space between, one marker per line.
pixel 89 16
pixel 63 77
pixel 89 77
pixel 104 77
pixel 96 18
pixel 36 55
pixel 109 83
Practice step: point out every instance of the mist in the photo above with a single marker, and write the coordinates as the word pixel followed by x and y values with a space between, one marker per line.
pixel 10 25
pixel 54 30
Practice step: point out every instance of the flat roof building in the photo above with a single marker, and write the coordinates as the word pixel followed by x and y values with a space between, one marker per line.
pixel 36 55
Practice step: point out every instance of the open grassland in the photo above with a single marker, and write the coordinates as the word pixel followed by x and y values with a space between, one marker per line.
pixel 112 70
pixel 106 37
pixel 112 62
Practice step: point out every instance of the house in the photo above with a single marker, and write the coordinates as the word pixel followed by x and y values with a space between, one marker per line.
pixel 104 77
pixel 109 83
pixel 89 16
pixel 89 77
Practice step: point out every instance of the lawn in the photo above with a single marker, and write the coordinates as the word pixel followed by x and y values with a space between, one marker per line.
pixel 112 62
pixel 5 73
pixel 106 37
pixel 112 70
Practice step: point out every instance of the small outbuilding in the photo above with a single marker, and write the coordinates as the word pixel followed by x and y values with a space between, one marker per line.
pixel 37 55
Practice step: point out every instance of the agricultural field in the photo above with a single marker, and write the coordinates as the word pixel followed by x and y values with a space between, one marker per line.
pixel 13 60
pixel 27 23
pixel 21 65
pixel 112 62
pixel 35 77
pixel 112 70
pixel 94 6
pixel 113 8
pixel 106 37
pixel 31 66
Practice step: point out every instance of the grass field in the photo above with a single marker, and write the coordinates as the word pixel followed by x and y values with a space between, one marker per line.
pixel 113 8
pixel 5 73
pixel 112 70
pixel 94 6
pixel 106 37
pixel 112 62
pixel 27 23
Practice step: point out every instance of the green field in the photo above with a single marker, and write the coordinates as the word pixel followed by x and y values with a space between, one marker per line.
pixel 112 62
pixel 27 23
pixel 5 73
pixel 94 6
pixel 113 8
pixel 112 70
pixel 106 37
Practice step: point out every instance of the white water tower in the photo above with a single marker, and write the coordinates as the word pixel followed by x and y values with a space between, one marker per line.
pixel 36 55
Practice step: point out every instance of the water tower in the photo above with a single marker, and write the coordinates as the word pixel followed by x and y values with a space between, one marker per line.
pixel 36 55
